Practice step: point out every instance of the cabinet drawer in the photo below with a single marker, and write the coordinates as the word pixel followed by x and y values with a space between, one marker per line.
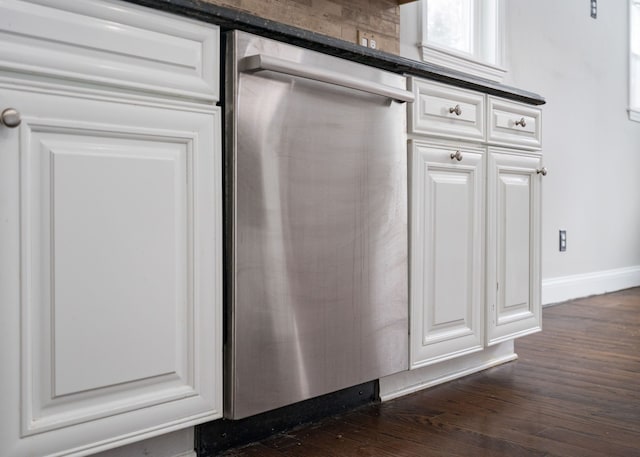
pixel 446 112
pixel 110 43
pixel 513 124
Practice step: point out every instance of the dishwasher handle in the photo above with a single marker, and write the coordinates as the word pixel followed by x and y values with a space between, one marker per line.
pixel 260 62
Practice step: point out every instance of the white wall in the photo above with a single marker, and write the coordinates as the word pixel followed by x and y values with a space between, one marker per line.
pixel 591 148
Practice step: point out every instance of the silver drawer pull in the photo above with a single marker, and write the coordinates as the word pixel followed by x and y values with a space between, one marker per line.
pixel 458 156
pixel 456 109
pixel 521 122
pixel 542 171
pixel 10 117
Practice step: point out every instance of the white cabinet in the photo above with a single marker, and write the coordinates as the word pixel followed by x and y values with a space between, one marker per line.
pixel 513 245
pixel 475 243
pixel 110 274
pixel 447 189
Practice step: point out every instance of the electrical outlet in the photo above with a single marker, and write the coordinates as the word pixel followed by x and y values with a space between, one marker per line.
pixel 562 240
pixel 594 9
pixel 367 39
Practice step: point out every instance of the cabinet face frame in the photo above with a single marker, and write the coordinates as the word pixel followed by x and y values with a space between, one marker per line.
pixel 442 327
pixel 513 276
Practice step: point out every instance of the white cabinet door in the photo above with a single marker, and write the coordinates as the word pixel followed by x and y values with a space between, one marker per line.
pixel 110 279
pixel 446 252
pixel 513 245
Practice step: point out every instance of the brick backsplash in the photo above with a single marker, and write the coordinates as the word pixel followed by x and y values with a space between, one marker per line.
pixel 336 18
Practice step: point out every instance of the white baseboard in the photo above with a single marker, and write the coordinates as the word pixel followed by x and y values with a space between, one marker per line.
pixel 555 290
pixel 175 444
pixel 407 382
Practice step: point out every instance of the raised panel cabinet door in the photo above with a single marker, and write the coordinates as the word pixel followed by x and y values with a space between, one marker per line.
pixel 110 274
pixel 513 245
pixel 446 293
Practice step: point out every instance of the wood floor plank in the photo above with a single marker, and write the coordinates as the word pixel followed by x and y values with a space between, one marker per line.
pixel 573 392
pixel 253 450
pixel 592 401
pixel 591 442
pixel 442 436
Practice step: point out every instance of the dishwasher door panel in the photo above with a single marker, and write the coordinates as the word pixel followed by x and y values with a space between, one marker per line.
pixel 319 238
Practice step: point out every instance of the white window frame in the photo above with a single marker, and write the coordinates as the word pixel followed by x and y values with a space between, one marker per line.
pixel 634 80
pixel 488 56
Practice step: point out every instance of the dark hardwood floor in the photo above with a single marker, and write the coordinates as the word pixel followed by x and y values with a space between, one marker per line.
pixel 574 391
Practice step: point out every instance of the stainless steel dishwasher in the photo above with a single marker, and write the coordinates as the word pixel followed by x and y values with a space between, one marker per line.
pixel 316 208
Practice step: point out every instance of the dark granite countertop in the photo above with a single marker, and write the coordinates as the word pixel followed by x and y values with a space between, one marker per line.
pixel 229 19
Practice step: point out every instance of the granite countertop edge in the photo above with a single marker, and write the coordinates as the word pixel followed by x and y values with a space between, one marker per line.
pixel 230 19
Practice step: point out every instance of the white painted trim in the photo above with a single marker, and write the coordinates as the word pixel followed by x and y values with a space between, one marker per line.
pixel 408 382
pixel 634 114
pixel 31 83
pixel 175 444
pixel 559 289
pixel 466 64
pixel 634 111
pixel 488 57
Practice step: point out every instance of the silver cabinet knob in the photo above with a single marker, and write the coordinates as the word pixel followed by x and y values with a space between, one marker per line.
pixel 456 109
pixel 542 171
pixel 521 122
pixel 10 117
pixel 456 155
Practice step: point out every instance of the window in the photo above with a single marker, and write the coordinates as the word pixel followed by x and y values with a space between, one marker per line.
pixel 634 60
pixel 450 24
pixel 463 34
